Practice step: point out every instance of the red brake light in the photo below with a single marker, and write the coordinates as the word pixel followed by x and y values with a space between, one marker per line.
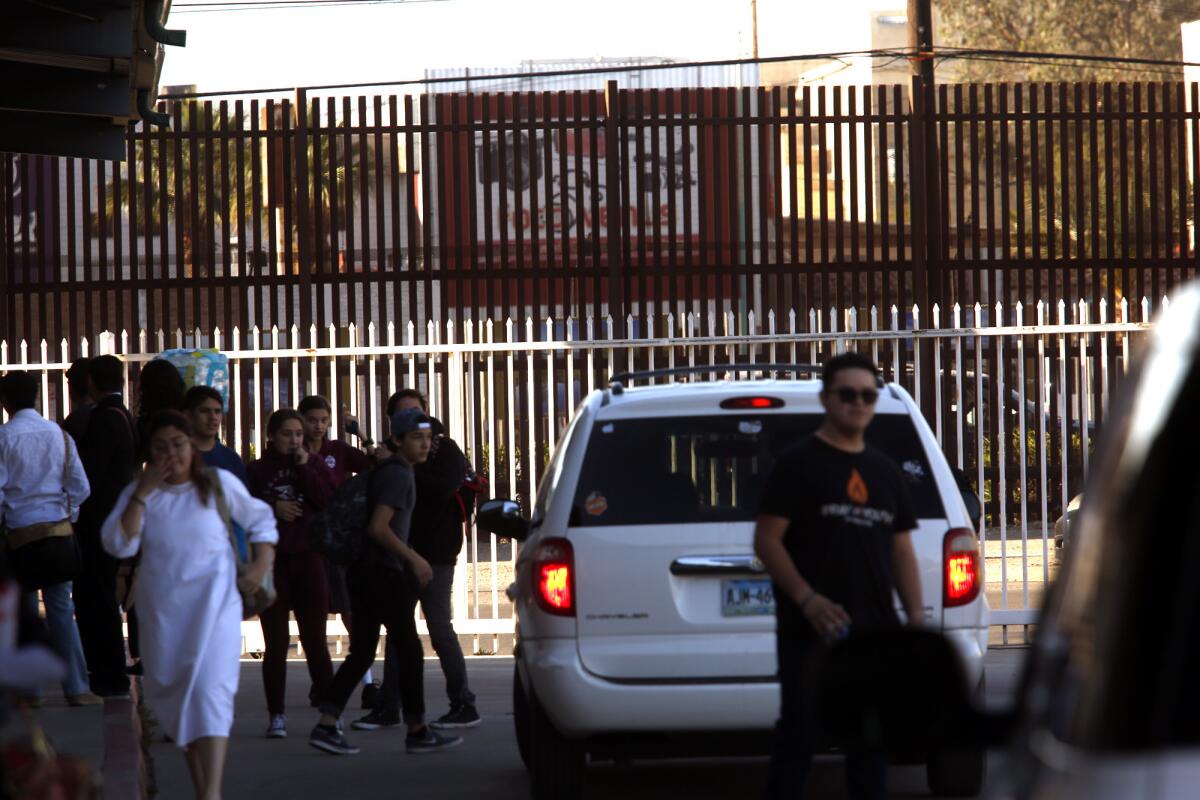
pixel 751 403
pixel 554 577
pixel 961 582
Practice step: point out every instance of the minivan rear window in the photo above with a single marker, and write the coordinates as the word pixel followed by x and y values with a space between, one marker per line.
pixel 655 471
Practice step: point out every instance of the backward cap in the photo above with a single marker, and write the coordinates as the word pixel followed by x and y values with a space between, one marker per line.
pixel 407 420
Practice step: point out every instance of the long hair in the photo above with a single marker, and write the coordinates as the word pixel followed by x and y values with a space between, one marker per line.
pixel 198 473
pixel 160 388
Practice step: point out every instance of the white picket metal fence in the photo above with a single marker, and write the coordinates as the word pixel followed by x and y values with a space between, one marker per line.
pixel 1016 395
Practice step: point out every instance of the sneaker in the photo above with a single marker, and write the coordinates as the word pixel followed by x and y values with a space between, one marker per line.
pixel 428 741
pixel 460 716
pixel 370 694
pixel 85 699
pixel 277 728
pixel 331 740
pixel 376 720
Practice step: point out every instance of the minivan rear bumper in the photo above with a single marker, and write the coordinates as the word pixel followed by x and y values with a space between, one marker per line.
pixel 582 704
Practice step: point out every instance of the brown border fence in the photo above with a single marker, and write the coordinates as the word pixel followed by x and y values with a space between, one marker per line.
pixel 636 203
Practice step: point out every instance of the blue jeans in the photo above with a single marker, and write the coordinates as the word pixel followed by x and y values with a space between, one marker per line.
pixel 63 633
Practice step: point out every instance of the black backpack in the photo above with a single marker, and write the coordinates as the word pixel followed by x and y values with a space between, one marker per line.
pixel 339 531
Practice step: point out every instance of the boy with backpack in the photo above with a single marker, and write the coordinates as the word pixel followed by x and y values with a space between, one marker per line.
pixel 438 525
pixel 384 584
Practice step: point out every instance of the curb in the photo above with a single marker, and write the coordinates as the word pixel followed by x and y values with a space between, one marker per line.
pixel 124 767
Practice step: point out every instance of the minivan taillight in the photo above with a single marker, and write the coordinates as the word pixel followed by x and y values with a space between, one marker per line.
pixel 554 577
pixel 962 568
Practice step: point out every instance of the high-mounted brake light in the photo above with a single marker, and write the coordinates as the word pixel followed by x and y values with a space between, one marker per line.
pixel 554 577
pixel 961 581
pixel 736 403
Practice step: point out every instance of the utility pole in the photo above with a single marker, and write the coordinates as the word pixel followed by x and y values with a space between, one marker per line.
pixel 927 255
pixel 754 28
pixel 926 230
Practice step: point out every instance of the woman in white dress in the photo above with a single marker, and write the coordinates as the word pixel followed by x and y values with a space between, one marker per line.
pixel 187 593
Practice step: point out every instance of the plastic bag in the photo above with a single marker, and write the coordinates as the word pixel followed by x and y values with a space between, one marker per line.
pixel 202 368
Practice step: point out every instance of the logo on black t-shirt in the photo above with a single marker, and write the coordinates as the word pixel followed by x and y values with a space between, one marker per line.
pixel 856 489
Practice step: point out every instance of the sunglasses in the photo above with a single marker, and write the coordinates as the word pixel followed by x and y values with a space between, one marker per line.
pixel 848 395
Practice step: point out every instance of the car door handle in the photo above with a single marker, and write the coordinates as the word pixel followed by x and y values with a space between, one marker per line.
pixel 716 565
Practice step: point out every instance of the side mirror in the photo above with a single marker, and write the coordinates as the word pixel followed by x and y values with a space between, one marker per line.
pixel 970 499
pixel 503 518
pixel 974 509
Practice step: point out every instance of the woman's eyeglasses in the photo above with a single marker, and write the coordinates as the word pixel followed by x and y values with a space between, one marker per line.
pixel 848 395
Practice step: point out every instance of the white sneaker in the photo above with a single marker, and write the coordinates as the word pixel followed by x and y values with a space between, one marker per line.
pixel 277 728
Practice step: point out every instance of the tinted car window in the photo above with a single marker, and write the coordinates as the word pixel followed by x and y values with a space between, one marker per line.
pixel 713 468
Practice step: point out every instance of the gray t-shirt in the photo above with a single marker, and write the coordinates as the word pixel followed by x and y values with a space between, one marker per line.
pixel 392 484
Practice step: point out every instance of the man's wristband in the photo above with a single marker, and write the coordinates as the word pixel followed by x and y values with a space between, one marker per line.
pixel 812 593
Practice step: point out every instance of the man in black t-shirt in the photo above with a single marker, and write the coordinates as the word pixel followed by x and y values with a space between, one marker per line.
pixel 834 532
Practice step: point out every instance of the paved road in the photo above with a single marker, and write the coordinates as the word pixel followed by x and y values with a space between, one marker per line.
pixel 487 764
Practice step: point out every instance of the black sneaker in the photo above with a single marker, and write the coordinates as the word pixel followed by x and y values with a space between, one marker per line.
pixel 427 741
pixel 460 716
pixel 331 740
pixel 370 695
pixel 376 720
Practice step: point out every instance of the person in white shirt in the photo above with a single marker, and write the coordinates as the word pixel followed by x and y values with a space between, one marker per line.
pixel 188 592
pixel 37 487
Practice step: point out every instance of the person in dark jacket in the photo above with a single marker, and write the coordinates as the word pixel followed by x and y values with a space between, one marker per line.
pixel 438 527
pixel 297 486
pixel 109 454
pixel 81 402
pixel 160 388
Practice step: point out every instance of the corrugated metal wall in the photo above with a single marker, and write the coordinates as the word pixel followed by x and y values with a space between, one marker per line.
pixel 476 79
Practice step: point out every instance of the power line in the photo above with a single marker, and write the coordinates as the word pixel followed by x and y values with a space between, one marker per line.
pixel 278 5
pixel 1043 56
pixel 553 73
pixel 1042 63
pixel 965 53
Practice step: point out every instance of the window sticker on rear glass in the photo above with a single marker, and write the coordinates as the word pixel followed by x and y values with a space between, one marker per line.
pixel 609 428
pixel 595 504
pixel 913 469
pixel 751 426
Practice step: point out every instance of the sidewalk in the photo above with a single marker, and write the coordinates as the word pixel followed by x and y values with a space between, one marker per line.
pixel 71 731
pixel 485 766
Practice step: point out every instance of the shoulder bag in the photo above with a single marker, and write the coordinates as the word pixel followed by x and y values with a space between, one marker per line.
pixel 262 596
pixel 47 553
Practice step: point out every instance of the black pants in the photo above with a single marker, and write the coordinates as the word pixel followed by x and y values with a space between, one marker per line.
pixel 796 735
pixel 99 616
pixel 380 597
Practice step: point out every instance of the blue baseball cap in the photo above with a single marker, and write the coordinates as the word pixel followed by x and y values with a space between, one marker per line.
pixel 407 420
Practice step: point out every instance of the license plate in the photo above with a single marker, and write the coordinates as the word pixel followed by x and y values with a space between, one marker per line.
pixel 747 598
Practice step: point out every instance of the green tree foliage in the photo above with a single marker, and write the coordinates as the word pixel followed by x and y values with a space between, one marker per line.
pixel 199 174
pixel 1124 28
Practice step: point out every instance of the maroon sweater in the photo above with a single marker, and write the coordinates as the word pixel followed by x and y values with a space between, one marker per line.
pixel 277 477
pixel 343 460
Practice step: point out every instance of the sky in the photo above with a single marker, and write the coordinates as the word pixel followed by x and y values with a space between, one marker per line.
pixel 230 50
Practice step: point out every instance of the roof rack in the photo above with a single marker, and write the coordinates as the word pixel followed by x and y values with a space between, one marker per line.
pixel 618 381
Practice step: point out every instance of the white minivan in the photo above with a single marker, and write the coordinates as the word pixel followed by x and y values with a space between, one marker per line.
pixel 645 622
